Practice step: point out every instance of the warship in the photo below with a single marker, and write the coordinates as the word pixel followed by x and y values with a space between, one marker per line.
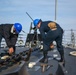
pixel 29 53
pixel 26 60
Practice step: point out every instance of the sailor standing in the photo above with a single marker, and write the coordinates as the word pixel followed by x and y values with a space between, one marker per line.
pixel 50 31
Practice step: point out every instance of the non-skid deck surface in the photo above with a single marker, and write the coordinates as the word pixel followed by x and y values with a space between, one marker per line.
pixel 70 63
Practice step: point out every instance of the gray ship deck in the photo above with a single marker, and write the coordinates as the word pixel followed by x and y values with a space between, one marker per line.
pixel 70 63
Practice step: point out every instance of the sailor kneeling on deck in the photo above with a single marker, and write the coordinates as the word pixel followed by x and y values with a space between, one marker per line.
pixel 50 31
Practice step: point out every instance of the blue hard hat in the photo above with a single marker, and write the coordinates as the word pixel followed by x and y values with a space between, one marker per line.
pixel 36 21
pixel 18 27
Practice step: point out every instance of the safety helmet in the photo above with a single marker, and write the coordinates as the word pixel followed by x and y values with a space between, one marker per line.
pixel 36 21
pixel 18 27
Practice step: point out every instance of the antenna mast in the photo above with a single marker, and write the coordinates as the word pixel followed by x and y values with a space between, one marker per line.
pixel 55 10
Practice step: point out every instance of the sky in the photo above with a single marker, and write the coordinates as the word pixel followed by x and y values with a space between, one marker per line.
pixel 14 11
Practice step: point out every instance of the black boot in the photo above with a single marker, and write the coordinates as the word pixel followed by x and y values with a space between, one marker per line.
pixel 62 58
pixel 62 55
pixel 45 59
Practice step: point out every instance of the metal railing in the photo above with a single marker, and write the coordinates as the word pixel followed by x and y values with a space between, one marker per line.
pixel 69 39
pixel 20 41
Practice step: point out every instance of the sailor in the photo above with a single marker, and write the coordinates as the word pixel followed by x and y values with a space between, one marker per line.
pixel 50 31
pixel 10 33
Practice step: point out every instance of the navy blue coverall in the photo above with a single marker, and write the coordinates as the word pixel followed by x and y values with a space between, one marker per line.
pixel 48 36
